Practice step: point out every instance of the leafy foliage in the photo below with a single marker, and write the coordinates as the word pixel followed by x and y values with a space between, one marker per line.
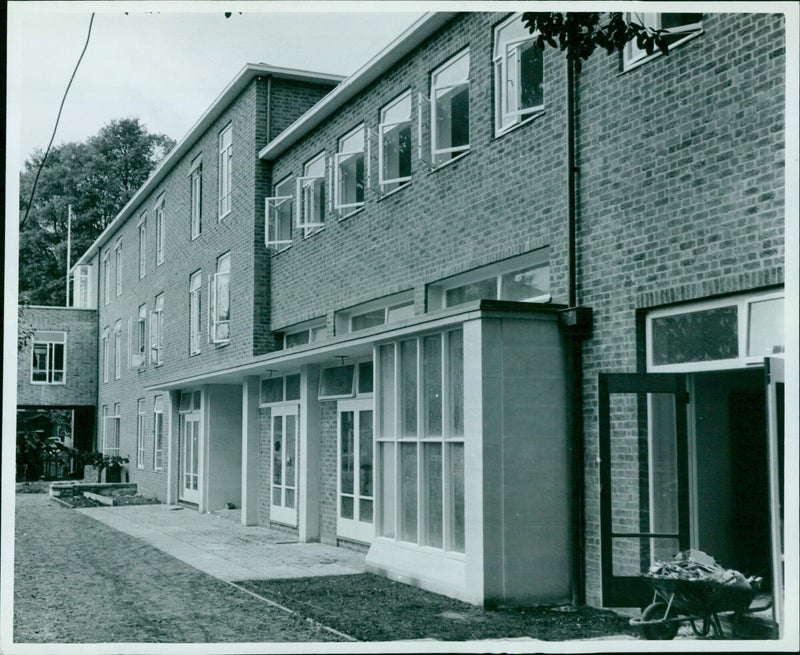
pixel 579 34
pixel 97 177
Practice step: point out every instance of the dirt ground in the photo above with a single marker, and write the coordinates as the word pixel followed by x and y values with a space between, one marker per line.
pixel 79 581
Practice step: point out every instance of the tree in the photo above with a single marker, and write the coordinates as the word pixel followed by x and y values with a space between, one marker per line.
pixel 579 34
pixel 97 177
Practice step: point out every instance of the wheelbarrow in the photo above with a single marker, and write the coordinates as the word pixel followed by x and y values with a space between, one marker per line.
pixel 702 601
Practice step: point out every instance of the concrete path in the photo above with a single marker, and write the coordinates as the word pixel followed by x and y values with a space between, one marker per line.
pixel 221 546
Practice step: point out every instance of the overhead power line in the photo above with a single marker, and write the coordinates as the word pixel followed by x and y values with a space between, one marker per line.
pixel 58 118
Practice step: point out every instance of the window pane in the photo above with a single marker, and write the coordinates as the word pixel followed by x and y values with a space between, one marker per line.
pixel 291 440
pixel 365 377
pixel 408 492
pixel 365 511
pixel 196 398
pixel 452 118
pixel 387 390
pixel 346 453
pixel 530 76
pixel 473 291
pixel 663 474
pixel 347 507
pixel 526 284
pixel 432 393
pixel 297 339
pixel 277 446
pixel 396 161
pixel 432 493
pixel 455 500
pixel 408 388
pixel 456 365
pixel 289 498
pixel 365 453
pixel 670 21
pixel 387 482
pixel 696 336
pixel 351 179
pixel 293 387
pixel 272 390
pixel 368 319
pixel 337 381
pixel 765 331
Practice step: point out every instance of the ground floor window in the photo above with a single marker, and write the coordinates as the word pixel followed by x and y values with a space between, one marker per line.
pixel 158 433
pixel 111 429
pixel 140 417
pixel 420 440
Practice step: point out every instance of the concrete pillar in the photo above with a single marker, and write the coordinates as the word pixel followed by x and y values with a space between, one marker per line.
pixel 171 428
pixel 250 398
pixel 308 511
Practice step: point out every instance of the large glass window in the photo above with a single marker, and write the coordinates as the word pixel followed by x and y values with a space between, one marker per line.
pixel 349 171
pixel 385 310
pixel 421 446
pixel 195 282
pixel 279 216
pixel 518 74
pixel 49 358
pixel 311 196
pixel 450 109
pixel 394 144
pixel 677 28
pixel 225 170
pixel 221 301
pixel 196 197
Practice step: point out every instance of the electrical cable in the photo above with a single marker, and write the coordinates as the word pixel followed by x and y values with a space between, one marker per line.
pixel 58 118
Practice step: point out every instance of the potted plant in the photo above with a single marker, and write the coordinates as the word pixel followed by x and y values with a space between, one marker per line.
pixel 113 465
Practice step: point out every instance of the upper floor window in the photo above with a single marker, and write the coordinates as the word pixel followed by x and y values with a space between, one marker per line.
pixel 397 307
pixel 349 171
pixel 450 109
pixel 138 356
pixel 225 170
pixel 678 28
pixel 157 331
pixel 143 245
pixel 220 301
pixel 279 216
pixel 160 231
pixel 196 197
pixel 118 266
pixel 518 74
pixel 194 313
pixel 311 196
pixel 303 333
pixel 81 293
pixel 49 358
pixel 117 350
pixel 525 278
pixel 106 279
pixel 394 144
pixel 106 353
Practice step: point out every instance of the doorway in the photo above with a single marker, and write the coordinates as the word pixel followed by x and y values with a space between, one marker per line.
pixel 355 492
pixel 190 458
pixel 283 503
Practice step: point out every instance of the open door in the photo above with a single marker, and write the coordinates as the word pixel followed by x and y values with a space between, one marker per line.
pixel 644 479
pixel 774 373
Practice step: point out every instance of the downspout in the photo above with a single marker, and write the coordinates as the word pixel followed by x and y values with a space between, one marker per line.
pixel 269 108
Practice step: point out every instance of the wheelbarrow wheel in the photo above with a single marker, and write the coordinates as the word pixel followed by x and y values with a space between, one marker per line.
pixel 656 612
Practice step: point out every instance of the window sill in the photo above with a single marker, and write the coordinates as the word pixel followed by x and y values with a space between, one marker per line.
pixel 388 194
pixel 358 210
pixel 314 233
pixel 49 384
pixel 221 217
pixel 530 119
pixel 222 344
pixel 140 467
pixel 452 161
pixel 626 68
pixel 277 251
pixel 195 354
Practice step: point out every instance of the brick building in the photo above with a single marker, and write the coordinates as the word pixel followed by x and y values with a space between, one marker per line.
pixel 505 327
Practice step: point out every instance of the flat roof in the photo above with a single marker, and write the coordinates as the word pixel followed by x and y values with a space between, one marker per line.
pixel 234 87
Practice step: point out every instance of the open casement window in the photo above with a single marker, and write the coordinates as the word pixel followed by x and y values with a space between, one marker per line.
pixel 157 331
pixel 196 195
pixel 394 144
pixel 349 172
pixel 644 479
pixel 279 216
pixel 518 74
pixel 450 109
pixel 137 340
pixel 225 171
pixel 311 196
pixel 220 302
pixel 195 283
pixel 49 358
pixel 677 28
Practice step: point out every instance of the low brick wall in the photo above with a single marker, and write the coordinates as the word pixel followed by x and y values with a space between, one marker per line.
pixel 67 489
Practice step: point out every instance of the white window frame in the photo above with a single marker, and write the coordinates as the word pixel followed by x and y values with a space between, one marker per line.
pixel 50 339
pixel 219 280
pixel 138 357
pixel 195 308
pixel 118 267
pixel 284 401
pixel 106 278
pixel 140 428
pixel 383 127
pixel 157 331
pixel 505 118
pixel 196 198
pixel 111 430
pixel 106 352
pixel 344 152
pixel 317 330
pixel 632 56
pixel 743 304
pixel 158 433
pixel 161 229
pixel 118 349
pixel 142 225
pixel 281 201
pixel 397 307
pixel 305 194
pixel 81 287
pixel 454 151
pixel 225 171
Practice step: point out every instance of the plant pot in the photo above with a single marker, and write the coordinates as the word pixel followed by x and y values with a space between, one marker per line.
pixel 114 473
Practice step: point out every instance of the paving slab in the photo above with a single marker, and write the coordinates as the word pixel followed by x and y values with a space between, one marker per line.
pixel 221 546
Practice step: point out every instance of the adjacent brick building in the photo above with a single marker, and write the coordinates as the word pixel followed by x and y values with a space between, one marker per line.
pixel 482 317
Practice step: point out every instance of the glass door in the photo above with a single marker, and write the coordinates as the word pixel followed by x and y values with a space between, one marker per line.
pixel 283 504
pixel 774 373
pixel 355 463
pixel 644 479
pixel 190 458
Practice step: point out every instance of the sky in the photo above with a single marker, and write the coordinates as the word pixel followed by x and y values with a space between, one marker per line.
pixel 166 62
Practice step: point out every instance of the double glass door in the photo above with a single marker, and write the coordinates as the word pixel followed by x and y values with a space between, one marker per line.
pixel 356 493
pixel 190 458
pixel 283 502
